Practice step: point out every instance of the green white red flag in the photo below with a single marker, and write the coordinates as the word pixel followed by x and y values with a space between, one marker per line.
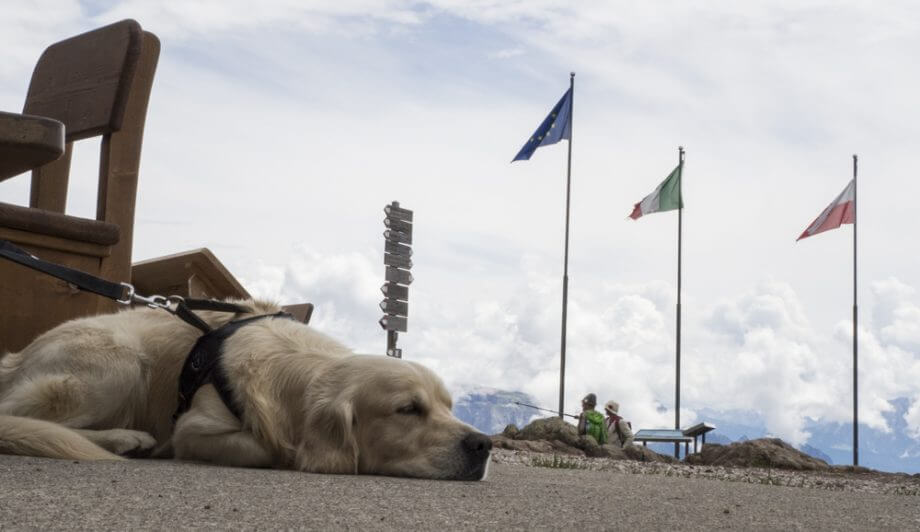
pixel 841 211
pixel 664 198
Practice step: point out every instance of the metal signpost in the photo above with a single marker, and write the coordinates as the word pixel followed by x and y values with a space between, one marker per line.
pixel 397 257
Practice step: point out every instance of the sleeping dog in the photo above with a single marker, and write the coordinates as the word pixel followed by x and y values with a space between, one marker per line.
pixel 280 395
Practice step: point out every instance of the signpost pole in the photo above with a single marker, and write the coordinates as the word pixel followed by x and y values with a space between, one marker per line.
pixel 397 253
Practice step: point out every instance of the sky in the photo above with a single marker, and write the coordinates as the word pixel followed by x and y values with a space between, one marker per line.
pixel 278 130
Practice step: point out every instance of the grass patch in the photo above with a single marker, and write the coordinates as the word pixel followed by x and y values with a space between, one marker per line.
pixel 556 463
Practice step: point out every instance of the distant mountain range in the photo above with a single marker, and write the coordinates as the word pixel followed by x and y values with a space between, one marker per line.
pixel 490 410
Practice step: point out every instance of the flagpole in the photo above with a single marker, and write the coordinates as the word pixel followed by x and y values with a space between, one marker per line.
pixel 680 211
pixel 855 348
pixel 565 271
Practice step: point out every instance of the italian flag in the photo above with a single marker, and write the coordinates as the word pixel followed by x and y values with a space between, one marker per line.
pixel 665 198
pixel 841 211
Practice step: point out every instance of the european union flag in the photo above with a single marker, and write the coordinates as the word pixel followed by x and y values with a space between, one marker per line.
pixel 557 126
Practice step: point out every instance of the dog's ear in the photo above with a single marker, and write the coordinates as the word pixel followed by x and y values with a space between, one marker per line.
pixel 329 443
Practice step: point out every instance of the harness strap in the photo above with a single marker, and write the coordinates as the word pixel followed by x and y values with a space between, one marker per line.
pixel 183 312
pixel 219 306
pixel 82 280
pixel 202 366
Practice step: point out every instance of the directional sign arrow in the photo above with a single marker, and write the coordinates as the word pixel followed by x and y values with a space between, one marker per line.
pixel 397 261
pixel 398 225
pixel 397 249
pixel 395 291
pixel 398 212
pixel 392 306
pixel 395 275
pixel 393 323
pixel 396 236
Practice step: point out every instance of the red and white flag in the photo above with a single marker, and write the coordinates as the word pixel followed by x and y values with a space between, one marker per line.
pixel 841 211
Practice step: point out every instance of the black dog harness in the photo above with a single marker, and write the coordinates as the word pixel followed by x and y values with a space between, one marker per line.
pixel 202 366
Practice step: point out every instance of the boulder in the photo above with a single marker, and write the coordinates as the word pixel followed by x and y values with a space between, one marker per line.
pixel 763 452
pixel 614 452
pixel 501 442
pixel 550 428
pixel 641 453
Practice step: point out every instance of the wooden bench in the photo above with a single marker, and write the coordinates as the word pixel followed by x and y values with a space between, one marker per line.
pixel 95 84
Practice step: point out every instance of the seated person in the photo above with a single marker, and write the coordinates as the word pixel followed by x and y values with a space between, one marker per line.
pixel 619 431
pixel 590 421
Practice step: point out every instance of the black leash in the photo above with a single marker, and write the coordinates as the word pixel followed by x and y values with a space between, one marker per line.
pixel 202 365
pixel 83 280
pixel 121 292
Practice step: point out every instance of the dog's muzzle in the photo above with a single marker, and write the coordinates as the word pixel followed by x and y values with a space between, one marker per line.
pixel 476 448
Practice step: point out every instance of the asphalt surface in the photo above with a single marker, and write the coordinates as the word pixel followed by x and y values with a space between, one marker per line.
pixel 146 494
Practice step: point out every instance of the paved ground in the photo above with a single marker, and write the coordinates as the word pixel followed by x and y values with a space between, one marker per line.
pixel 52 494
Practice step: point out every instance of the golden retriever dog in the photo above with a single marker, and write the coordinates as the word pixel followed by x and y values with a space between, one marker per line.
pixel 104 387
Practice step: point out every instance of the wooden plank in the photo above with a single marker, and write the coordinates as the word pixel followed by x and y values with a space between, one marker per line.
pixel 120 162
pixel 37 240
pixel 397 249
pixel 49 183
pixel 84 81
pixel 393 323
pixel 33 302
pixel 394 307
pixel 396 236
pixel 395 291
pixel 398 225
pixel 198 268
pixel 27 142
pixel 301 312
pixel 397 261
pixel 395 275
pixel 396 212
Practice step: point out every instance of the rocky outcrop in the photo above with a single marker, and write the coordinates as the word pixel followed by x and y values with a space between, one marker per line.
pixel 553 435
pixel 763 452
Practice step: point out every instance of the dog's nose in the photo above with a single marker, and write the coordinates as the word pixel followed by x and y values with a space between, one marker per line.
pixel 477 444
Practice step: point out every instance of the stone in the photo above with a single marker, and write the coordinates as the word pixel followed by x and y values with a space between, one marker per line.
pixel 763 452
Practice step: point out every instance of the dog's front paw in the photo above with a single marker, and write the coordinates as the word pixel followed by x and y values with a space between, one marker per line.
pixel 133 443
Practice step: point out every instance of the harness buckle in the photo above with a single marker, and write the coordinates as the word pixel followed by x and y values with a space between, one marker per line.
pixel 152 301
pixel 131 296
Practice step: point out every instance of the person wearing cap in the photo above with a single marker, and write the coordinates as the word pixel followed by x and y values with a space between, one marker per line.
pixel 590 421
pixel 619 432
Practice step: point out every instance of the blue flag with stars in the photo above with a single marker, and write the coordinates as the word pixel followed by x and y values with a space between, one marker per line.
pixel 556 126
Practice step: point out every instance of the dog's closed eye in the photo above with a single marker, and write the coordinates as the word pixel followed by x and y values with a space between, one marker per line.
pixel 412 409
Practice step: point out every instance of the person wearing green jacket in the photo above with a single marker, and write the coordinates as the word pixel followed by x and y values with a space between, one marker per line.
pixel 590 421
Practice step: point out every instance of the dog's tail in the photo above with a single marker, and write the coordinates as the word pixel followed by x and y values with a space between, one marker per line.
pixel 34 437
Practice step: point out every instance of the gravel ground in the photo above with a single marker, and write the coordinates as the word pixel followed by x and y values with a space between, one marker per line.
pixel 44 494
pixel 864 481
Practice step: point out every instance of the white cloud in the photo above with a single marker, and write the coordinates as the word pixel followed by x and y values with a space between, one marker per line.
pixel 506 53
pixel 912 417
pixel 756 352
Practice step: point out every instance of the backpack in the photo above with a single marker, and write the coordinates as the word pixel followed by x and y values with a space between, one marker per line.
pixel 595 427
pixel 616 425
